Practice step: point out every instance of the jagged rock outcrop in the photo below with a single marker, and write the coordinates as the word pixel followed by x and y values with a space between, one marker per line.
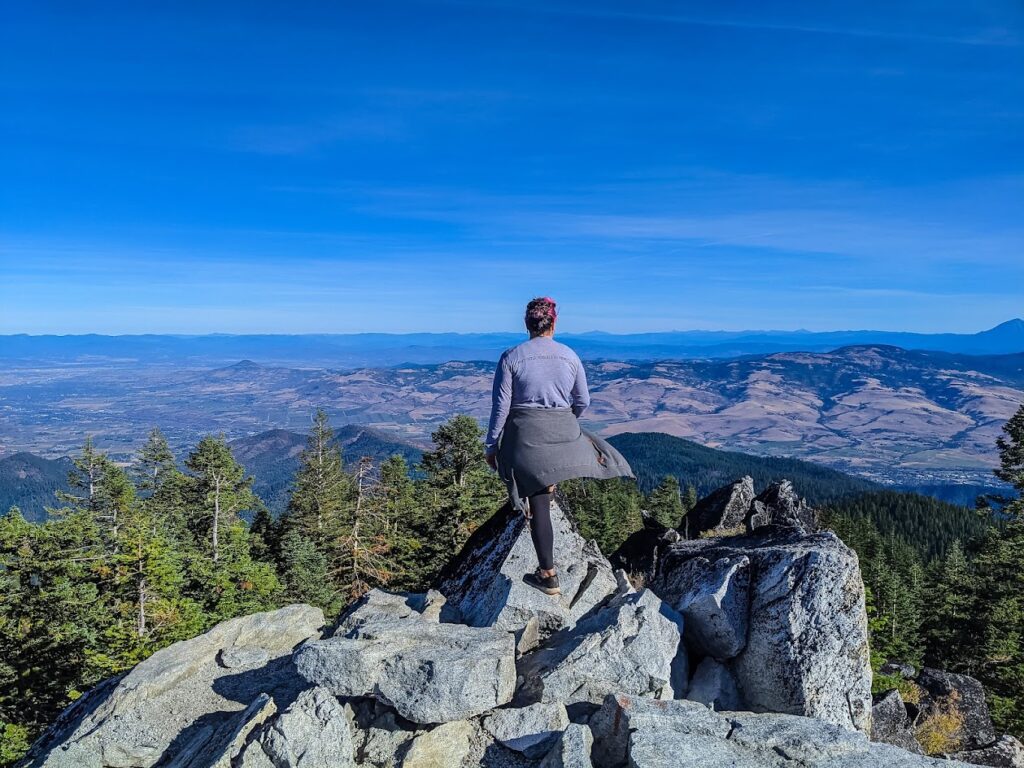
pixel 736 508
pixel 173 704
pixel 429 673
pixel 484 582
pixel 779 504
pixel 806 649
pixel 643 733
pixel 725 509
pixel 487 671
pixel 632 644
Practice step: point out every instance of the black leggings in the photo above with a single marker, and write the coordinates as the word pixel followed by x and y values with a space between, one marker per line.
pixel 540 529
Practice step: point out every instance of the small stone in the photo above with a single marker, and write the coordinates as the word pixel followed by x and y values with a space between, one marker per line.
pixel 242 658
pixel 713 685
pixel 531 729
pixel 572 750
pixel 445 746
pixel 900 669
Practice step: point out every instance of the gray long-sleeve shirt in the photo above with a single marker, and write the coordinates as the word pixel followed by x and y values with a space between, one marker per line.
pixel 539 373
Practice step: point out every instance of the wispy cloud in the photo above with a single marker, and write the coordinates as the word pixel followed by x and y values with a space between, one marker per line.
pixel 994 35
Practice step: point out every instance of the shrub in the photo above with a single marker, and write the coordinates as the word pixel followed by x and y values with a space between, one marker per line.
pixel 940 729
pixel 13 742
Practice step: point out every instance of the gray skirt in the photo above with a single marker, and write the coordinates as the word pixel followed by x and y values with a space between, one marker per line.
pixel 538 447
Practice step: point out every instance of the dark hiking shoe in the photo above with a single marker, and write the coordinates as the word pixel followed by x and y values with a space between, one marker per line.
pixel 546 584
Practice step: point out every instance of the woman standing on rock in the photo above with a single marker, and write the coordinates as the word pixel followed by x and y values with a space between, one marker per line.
pixel 534 439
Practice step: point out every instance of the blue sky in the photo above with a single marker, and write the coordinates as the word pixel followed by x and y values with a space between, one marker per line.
pixel 430 166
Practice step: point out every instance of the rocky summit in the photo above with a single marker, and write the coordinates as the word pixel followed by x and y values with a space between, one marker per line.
pixel 731 650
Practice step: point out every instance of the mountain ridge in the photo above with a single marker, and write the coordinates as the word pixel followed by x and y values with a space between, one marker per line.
pixel 368 349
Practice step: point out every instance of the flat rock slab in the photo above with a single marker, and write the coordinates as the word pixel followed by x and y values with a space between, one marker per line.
pixel 182 697
pixel 484 583
pixel 631 644
pixel 430 673
pixel 644 733
pixel 381 605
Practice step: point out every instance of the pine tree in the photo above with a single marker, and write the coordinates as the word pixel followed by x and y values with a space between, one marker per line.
pixel 154 463
pixel 402 514
pixel 323 490
pixel 51 614
pixel 266 534
pixel 1011 462
pixel 221 489
pixel 84 478
pixel 999 608
pixel 949 625
pixel 237 583
pixel 103 489
pixel 607 511
pixel 305 574
pixel 462 491
pixel 664 502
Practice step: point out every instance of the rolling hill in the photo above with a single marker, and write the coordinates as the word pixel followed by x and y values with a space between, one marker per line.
pixel 903 418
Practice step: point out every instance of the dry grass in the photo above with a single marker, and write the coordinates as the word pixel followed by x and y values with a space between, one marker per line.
pixel 910 692
pixel 736 530
pixel 940 731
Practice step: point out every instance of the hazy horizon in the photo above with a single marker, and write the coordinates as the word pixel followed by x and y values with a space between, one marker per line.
pixel 1012 320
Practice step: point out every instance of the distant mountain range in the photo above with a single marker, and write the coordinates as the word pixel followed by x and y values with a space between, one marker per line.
pixel 383 349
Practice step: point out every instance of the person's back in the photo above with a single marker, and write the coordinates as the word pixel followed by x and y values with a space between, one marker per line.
pixel 537 373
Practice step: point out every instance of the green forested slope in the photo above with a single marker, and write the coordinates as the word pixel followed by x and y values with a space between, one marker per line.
pixel 653 455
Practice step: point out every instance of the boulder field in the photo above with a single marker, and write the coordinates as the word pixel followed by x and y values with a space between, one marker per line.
pixel 730 650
